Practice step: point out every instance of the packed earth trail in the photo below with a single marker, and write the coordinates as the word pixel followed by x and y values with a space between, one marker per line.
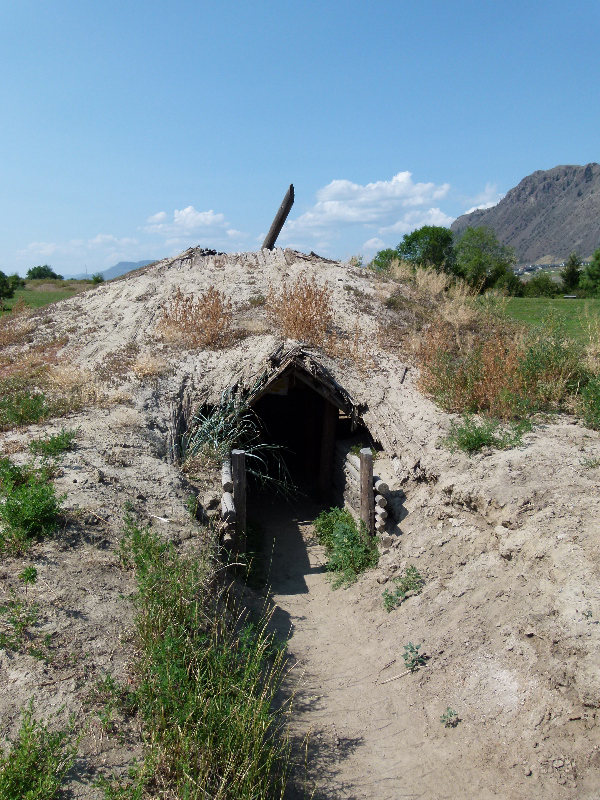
pixel 359 730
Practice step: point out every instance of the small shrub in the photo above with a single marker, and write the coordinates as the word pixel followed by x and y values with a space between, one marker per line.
pixel 17 615
pixel 450 718
pixel 590 404
pixel 303 310
pixel 37 762
pixel 23 408
pixel 97 278
pixel 412 658
pixel 350 548
pixel 30 506
pixel 53 445
pixel 257 300
pixel 411 581
pixel 204 321
pixel 471 435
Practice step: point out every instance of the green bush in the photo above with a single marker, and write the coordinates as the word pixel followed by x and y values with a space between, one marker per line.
pixel 37 762
pixel 471 435
pixel 207 680
pixel 410 581
pixel 22 407
pixel 53 445
pixel 350 548
pixel 590 404
pixel 541 285
pixel 30 506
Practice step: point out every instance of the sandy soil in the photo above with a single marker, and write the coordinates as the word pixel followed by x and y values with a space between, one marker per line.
pixel 507 542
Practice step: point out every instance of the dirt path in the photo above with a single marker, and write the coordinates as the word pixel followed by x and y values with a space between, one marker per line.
pixel 368 738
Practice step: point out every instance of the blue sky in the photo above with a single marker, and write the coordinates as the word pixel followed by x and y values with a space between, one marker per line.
pixel 133 130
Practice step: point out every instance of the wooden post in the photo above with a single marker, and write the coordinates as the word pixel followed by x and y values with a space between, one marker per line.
pixel 238 469
pixel 367 498
pixel 280 218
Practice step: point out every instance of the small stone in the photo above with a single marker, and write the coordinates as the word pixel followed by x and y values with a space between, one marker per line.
pixel 558 763
pixel 528 772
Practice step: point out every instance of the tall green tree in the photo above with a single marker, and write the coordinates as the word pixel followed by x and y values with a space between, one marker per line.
pixel 429 246
pixel 382 260
pixel 590 280
pixel 483 261
pixel 6 288
pixel 571 274
pixel 41 272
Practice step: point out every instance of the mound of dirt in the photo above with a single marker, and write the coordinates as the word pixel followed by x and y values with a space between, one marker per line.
pixel 507 543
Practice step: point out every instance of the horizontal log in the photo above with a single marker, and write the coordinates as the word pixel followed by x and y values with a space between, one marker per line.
pixel 381 513
pixel 226 477
pixel 380 525
pixel 227 506
pixel 351 470
pixel 354 460
pixel 381 487
pixel 381 501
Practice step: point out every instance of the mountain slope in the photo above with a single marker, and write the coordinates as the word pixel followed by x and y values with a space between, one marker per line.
pixel 547 216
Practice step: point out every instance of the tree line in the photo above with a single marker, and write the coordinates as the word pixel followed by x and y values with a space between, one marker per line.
pixel 484 263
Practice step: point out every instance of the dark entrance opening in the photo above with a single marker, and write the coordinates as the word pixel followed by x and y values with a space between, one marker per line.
pixel 306 423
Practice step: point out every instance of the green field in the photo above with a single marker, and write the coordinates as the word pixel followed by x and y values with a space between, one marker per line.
pixel 43 292
pixel 576 313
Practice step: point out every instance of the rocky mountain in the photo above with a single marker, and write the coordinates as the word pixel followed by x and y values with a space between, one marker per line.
pixel 547 216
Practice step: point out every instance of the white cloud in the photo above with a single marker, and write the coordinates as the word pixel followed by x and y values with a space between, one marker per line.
pixel 489 198
pixel 372 245
pixel 186 221
pixel 343 203
pixel 416 219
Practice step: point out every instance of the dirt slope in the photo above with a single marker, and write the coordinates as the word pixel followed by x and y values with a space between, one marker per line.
pixel 507 542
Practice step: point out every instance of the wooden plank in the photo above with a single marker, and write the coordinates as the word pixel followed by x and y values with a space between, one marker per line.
pixel 238 469
pixel 367 504
pixel 280 218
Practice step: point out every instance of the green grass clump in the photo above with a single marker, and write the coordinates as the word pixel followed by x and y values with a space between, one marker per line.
pixel 411 581
pixel 350 549
pixel 30 506
pixel 52 446
pixel 206 684
pixel 590 404
pixel 471 435
pixel 23 407
pixel 37 761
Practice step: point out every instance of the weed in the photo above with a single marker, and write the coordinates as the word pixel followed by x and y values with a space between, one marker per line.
pixel 590 404
pixel 257 300
pixel 450 718
pixel 499 371
pixel 204 321
pixel 590 462
pixel 350 548
pixel 412 658
pixel 471 435
pixel 205 692
pixel 18 616
pixel 55 444
pixel 28 577
pixel 411 581
pixel 303 310
pixel 30 506
pixel 37 762
pixel 23 408
pixel 192 504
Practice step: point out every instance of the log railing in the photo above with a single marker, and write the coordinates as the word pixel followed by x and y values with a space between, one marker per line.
pixel 233 501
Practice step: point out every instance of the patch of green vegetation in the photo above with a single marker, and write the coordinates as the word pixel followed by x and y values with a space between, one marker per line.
pixel 53 445
pixel 350 548
pixel 532 311
pixel 410 581
pixel 412 658
pixel 30 506
pixel 450 718
pixel 37 761
pixel 206 683
pixel 17 616
pixel 590 403
pixel 472 434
